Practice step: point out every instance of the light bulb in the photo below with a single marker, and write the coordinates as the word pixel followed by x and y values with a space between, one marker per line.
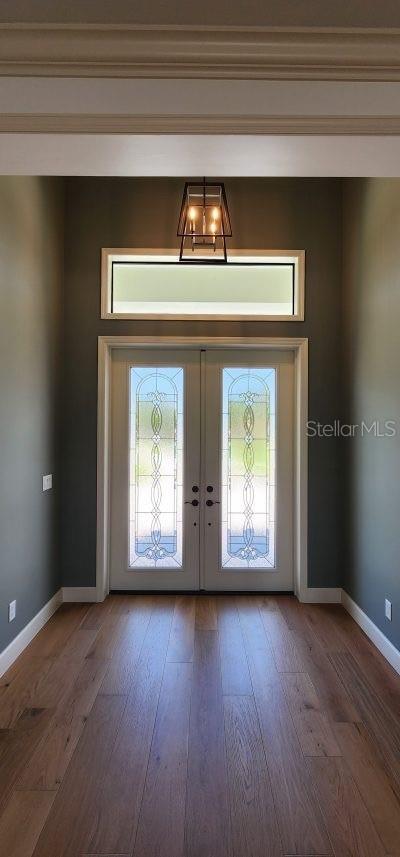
pixel 215 213
pixel 192 213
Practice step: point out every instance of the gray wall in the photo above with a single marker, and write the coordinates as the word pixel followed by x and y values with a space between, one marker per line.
pixel 371 382
pixel 354 485
pixel 31 259
pixel 266 213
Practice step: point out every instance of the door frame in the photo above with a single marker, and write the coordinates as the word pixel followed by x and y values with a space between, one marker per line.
pixel 299 346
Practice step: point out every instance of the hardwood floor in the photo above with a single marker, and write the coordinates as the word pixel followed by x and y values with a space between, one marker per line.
pixel 200 726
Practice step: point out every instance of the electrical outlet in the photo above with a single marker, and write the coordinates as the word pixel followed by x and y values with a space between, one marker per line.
pixel 47 482
pixel 12 609
pixel 388 609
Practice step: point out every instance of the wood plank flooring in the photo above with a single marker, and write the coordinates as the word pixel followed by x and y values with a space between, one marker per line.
pixel 200 726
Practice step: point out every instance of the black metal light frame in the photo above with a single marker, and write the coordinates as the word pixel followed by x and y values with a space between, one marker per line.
pixel 204 231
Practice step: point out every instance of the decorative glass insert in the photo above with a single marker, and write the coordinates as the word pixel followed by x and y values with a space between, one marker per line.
pixel 156 467
pixel 248 467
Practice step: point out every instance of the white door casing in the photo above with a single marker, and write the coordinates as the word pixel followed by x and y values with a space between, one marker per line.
pixel 211 576
pixel 106 344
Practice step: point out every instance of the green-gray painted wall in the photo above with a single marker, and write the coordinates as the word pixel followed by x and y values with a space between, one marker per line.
pixel 371 364
pixel 266 213
pixel 31 260
pixel 350 231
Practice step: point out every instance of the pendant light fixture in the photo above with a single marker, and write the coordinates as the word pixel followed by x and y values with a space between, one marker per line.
pixel 204 223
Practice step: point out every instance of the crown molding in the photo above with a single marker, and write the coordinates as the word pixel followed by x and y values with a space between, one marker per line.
pixel 199 52
pixel 83 123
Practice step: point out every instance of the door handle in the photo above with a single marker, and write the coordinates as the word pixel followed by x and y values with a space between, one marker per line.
pixel 212 502
pixel 192 502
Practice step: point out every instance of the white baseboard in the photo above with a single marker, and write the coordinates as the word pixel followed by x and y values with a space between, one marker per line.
pixel 22 640
pixel 386 648
pixel 84 594
pixel 319 595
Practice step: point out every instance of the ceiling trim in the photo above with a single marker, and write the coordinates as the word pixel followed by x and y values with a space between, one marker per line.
pixel 78 123
pixel 199 52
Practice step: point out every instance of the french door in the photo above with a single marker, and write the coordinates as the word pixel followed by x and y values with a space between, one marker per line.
pixel 201 470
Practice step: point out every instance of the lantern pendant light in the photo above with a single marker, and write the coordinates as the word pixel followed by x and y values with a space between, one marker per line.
pixel 204 223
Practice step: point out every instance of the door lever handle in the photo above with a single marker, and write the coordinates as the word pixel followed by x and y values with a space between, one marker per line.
pixel 192 502
pixel 213 502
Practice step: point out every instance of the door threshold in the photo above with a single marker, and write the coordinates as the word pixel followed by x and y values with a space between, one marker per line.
pixel 200 592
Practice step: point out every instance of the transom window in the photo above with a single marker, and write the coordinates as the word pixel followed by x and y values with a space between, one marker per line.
pixel 267 285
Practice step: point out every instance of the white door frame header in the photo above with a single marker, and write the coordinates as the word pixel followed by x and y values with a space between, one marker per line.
pixel 299 346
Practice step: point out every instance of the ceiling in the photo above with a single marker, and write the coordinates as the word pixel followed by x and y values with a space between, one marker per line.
pixel 274 13
pixel 163 100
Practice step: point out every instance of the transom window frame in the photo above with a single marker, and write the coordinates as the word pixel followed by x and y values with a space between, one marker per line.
pixel 293 257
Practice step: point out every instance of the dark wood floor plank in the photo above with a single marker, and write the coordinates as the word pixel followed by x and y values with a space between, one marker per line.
pixel 290 608
pixel 300 822
pixel 78 645
pixel 51 758
pixel 17 746
pixel 73 815
pixel 312 725
pixel 119 804
pixel 117 762
pixel 55 684
pixel 382 723
pixel 372 782
pixel 22 821
pixel 41 680
pixel 21 693
pixel 331 691
pixel 254 825
pixel 181 643
pixel 207 810
pixel 97 613
pixel 162 817
pixel 234 667
pixel 109 636
pixel 349 825
pixel 50 641
pixel 206 613
pixel 318 619
pixel 286 653
pixel 11 675
pixel 381 674
pixel 258 650
pixel 121 669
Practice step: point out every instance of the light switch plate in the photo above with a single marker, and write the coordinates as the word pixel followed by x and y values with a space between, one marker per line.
pixel 12 609
pixel 388 609
pixel 47 482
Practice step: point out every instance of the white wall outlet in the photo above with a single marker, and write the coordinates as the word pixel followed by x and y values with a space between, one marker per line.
pixel 47 482
pixel 388 609
pixel 12 609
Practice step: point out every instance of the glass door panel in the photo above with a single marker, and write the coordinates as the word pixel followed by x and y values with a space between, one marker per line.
pixel 156 466
pixel 155 470
pixel 248 467
pixel 248 463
